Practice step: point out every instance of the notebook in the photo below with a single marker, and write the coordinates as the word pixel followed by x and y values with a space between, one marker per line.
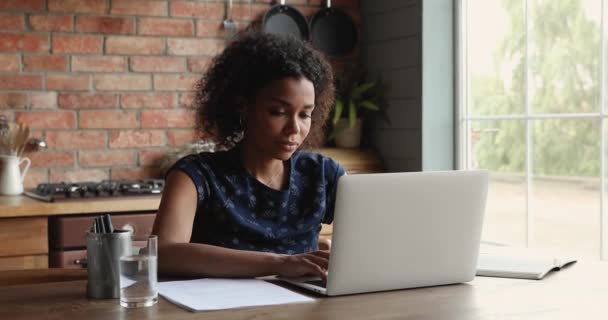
pixel 519 263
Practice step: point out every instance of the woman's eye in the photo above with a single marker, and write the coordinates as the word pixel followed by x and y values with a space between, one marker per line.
pixel 277 112
pixel 306 115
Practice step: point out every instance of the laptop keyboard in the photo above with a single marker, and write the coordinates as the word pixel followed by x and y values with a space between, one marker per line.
pixel 318 283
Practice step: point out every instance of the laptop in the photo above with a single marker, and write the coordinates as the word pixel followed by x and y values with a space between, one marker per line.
pixel 403 230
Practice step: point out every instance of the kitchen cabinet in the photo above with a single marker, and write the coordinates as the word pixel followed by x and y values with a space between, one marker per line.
pixel 24 222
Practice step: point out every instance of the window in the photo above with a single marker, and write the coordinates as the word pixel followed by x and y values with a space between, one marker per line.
pixel 531 96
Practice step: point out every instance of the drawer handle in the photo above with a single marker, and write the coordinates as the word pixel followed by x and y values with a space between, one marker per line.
pixel 128 227
pixel 81 262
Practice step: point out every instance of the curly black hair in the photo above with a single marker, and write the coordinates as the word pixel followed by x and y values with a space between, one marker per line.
pixel 250 63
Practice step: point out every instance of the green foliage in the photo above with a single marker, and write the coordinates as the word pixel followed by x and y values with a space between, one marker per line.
pixel 563 66
pixel 356 97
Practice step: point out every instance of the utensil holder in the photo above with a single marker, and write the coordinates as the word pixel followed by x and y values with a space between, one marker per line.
pixel 103 262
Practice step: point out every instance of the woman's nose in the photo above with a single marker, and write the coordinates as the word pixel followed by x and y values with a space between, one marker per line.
pixel 292 126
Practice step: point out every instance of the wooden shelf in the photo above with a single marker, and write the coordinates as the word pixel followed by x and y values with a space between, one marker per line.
pixel 355 160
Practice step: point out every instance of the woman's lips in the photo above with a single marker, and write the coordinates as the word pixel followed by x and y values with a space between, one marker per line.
pixel 289 146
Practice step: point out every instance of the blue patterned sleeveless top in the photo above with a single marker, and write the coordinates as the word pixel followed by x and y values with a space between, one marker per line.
pixel 235 210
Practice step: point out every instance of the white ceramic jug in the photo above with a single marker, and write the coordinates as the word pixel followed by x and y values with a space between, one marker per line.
pixel 11 176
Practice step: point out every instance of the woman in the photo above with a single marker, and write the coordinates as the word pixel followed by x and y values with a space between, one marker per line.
pixel 257 208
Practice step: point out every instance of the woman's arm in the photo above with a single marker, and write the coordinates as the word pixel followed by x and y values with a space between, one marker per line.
pixel 177 256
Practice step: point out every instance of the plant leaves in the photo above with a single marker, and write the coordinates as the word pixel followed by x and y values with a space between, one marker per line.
pixel 360 89
pixel 369 105
pixel 352 114
pixel 337 111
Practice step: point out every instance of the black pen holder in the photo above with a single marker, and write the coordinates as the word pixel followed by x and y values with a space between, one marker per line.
pixel 103 262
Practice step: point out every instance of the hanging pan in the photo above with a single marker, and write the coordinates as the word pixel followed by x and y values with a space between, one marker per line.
pixel 284 19
pixel 333 31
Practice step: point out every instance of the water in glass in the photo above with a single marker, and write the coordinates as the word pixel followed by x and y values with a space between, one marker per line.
pixel 138 281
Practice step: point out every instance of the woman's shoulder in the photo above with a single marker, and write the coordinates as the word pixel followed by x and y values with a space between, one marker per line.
pixel 204 161
pixel 304 160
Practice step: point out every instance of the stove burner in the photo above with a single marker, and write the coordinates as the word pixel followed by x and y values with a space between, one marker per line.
pixel 106 188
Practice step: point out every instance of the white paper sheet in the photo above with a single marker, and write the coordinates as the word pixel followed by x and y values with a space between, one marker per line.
pixel 218 294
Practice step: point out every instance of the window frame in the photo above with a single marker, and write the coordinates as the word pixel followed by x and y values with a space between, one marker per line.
pixel 462 118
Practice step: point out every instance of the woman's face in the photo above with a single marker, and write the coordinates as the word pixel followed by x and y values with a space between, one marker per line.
pixel 279 119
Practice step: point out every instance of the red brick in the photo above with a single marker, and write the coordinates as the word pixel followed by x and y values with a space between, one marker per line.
pixel 20 81
pixel 307 12
pixel 242 11
pixel 157 64
pixel 107 119
pixel 35 176
pixel 106 158
pixel 137 138
pixel 13 100
pixel 119 25
pixel 46 22
pixel 186 100
pixel 43 100
pixel 139 7
pixel 175 82
pixel 26 42
pixel 180 137
pixel 84 6
pixel 152 157
pixel 210 28
pixel 136 173
pixel 198 9
pixel 75 139
pixel 45 63
pixel 11 21
pixel 98 63
pixel 122 82
pixel 165 27
pixel 73 82
pixel 199 64
pixel 180 118
pixel 87 100
pixel 194 47
pixel 22 4
pixel 257 12
pixel 9 63
pixel 21 100
pixel 134 45
pixel 78 175
pixel 76 44
pixel 52 158
pixel 47 119
pixel 147 100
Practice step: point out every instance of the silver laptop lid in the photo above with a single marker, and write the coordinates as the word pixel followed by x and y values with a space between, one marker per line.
pixel 406 230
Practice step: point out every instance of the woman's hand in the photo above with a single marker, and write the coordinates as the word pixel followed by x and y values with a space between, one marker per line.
pixel 305 264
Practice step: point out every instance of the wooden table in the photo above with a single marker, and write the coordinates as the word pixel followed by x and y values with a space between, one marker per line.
pixel 578 292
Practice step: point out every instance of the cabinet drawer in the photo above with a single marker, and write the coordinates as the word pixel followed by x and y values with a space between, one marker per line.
pixel 23 236
pixel 24 262
pixel 72 259
pixel 69 232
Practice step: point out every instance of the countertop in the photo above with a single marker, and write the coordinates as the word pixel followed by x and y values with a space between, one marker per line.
pixel 22 206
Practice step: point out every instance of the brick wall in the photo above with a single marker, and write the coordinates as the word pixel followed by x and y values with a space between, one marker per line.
pixel 107 83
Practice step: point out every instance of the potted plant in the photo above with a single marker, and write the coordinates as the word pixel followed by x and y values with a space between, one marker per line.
pixel 356 98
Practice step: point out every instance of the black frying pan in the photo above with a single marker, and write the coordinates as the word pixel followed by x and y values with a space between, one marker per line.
pixel 333 31
pixel 284 19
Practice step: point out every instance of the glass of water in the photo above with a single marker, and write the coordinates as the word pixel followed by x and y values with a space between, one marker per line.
pixel 138 273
